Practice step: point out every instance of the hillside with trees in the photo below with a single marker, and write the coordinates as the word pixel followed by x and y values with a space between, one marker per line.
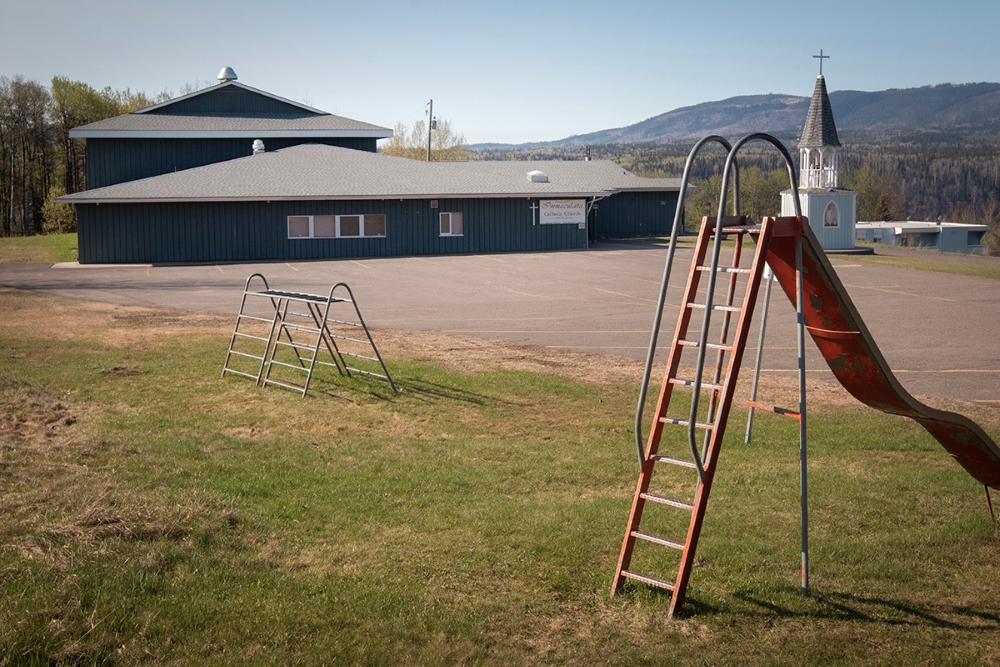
pixel 945 107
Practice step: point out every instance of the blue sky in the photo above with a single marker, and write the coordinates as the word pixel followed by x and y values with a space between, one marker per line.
pixel 503 71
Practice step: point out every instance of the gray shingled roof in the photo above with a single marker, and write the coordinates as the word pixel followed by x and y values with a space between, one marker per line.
pixel 312 171
pixel 305 121
pixel 820 129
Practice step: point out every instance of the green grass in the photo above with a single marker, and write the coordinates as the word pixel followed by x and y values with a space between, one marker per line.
pixel 929 263
pixel 153 512
pixel 49 248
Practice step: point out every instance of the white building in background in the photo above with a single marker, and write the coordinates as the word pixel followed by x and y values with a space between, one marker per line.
pixel 943 236
pixel 832 210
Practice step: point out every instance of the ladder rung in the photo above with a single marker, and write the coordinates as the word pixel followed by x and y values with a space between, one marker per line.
pixel 350 324
pixel 358 356
pixel 722 269
pixel 655 539
pixel 246 375
pixel 244 354
pixel 710 346
pixel 728 309
pixel 374 375
pixel 298 368
pixel 667 501
pixel 677 462
pixel 297 346
pixel 352 340
pixel 685 422
pixel 652 581
pixel 251 317
pixel 286 386
pixel 243 335
pixel 738 229
pixel 690 383
pixel 299 327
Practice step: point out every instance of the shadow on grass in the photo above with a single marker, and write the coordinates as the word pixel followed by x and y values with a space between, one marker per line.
pixel 869 609
pixel 421 390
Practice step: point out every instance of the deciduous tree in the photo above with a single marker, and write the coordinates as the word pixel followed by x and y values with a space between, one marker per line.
pixel 446 144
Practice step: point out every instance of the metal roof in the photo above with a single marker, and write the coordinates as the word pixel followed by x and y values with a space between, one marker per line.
pixel 305 122
pixel 313 171
pixel 820 129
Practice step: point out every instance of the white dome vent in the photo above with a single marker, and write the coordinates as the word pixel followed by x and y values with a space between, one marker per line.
pixel 537 176
pixel 227 74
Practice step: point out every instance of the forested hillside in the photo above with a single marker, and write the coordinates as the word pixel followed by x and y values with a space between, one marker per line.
pixel 944 107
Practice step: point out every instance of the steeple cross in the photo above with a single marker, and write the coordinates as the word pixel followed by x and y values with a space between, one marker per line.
pixel 821 58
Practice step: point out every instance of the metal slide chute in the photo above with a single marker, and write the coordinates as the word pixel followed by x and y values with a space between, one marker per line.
pixel 836 327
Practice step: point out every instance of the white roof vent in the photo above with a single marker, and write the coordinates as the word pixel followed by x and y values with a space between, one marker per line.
pixel 258 146
pixel 227 74
pixel 537 176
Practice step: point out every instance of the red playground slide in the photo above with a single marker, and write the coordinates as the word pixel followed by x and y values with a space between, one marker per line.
pixel 834 323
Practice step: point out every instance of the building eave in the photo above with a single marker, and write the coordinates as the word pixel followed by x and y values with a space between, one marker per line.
pixel 72 199
pixel 228 134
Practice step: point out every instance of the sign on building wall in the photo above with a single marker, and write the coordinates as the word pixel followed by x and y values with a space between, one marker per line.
pixel 563 212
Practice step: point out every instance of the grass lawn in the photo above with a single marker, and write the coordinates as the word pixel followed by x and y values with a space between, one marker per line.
pixel 49 248
pixel 155 513
pixel 928 263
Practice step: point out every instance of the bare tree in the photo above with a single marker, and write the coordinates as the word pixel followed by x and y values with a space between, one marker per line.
pixel 445 143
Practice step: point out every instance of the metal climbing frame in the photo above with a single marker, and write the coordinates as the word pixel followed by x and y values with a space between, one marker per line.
pixel 278 336
pixel 710 418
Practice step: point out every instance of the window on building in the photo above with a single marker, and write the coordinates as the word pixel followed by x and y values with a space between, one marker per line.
pixel 335 226
pixel 831 216
pixel 324 226
pixel 451 224
pixel 298 227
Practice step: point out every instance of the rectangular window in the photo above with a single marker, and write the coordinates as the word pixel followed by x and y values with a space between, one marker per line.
pixel 298 227
pixel 324 226
pixel 335 226
pixel 451 224
pixel 350 225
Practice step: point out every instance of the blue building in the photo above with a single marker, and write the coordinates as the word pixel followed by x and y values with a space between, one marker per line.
pixel 231 173
pixel 207 126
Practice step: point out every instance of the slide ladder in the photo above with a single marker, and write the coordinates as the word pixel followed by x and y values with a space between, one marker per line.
pixel 688 468
pixel 824 310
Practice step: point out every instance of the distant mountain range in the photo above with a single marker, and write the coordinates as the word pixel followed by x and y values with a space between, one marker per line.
pixel 946 106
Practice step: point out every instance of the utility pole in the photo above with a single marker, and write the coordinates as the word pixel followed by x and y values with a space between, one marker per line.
pixel 430 124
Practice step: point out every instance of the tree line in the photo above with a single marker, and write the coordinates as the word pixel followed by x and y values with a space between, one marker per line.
pixel 38 159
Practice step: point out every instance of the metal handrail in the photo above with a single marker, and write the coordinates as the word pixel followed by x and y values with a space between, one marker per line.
pixel 668 265
pixel 716 247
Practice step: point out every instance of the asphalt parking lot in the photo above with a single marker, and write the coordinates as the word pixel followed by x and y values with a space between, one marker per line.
pixel 939 332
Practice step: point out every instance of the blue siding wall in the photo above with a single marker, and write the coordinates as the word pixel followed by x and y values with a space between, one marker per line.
pixel 634 214
pixel 233 101
pixel 111 161
pixel 245 231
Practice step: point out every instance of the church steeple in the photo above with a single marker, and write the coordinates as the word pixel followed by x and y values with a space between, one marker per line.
pixel 819 143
